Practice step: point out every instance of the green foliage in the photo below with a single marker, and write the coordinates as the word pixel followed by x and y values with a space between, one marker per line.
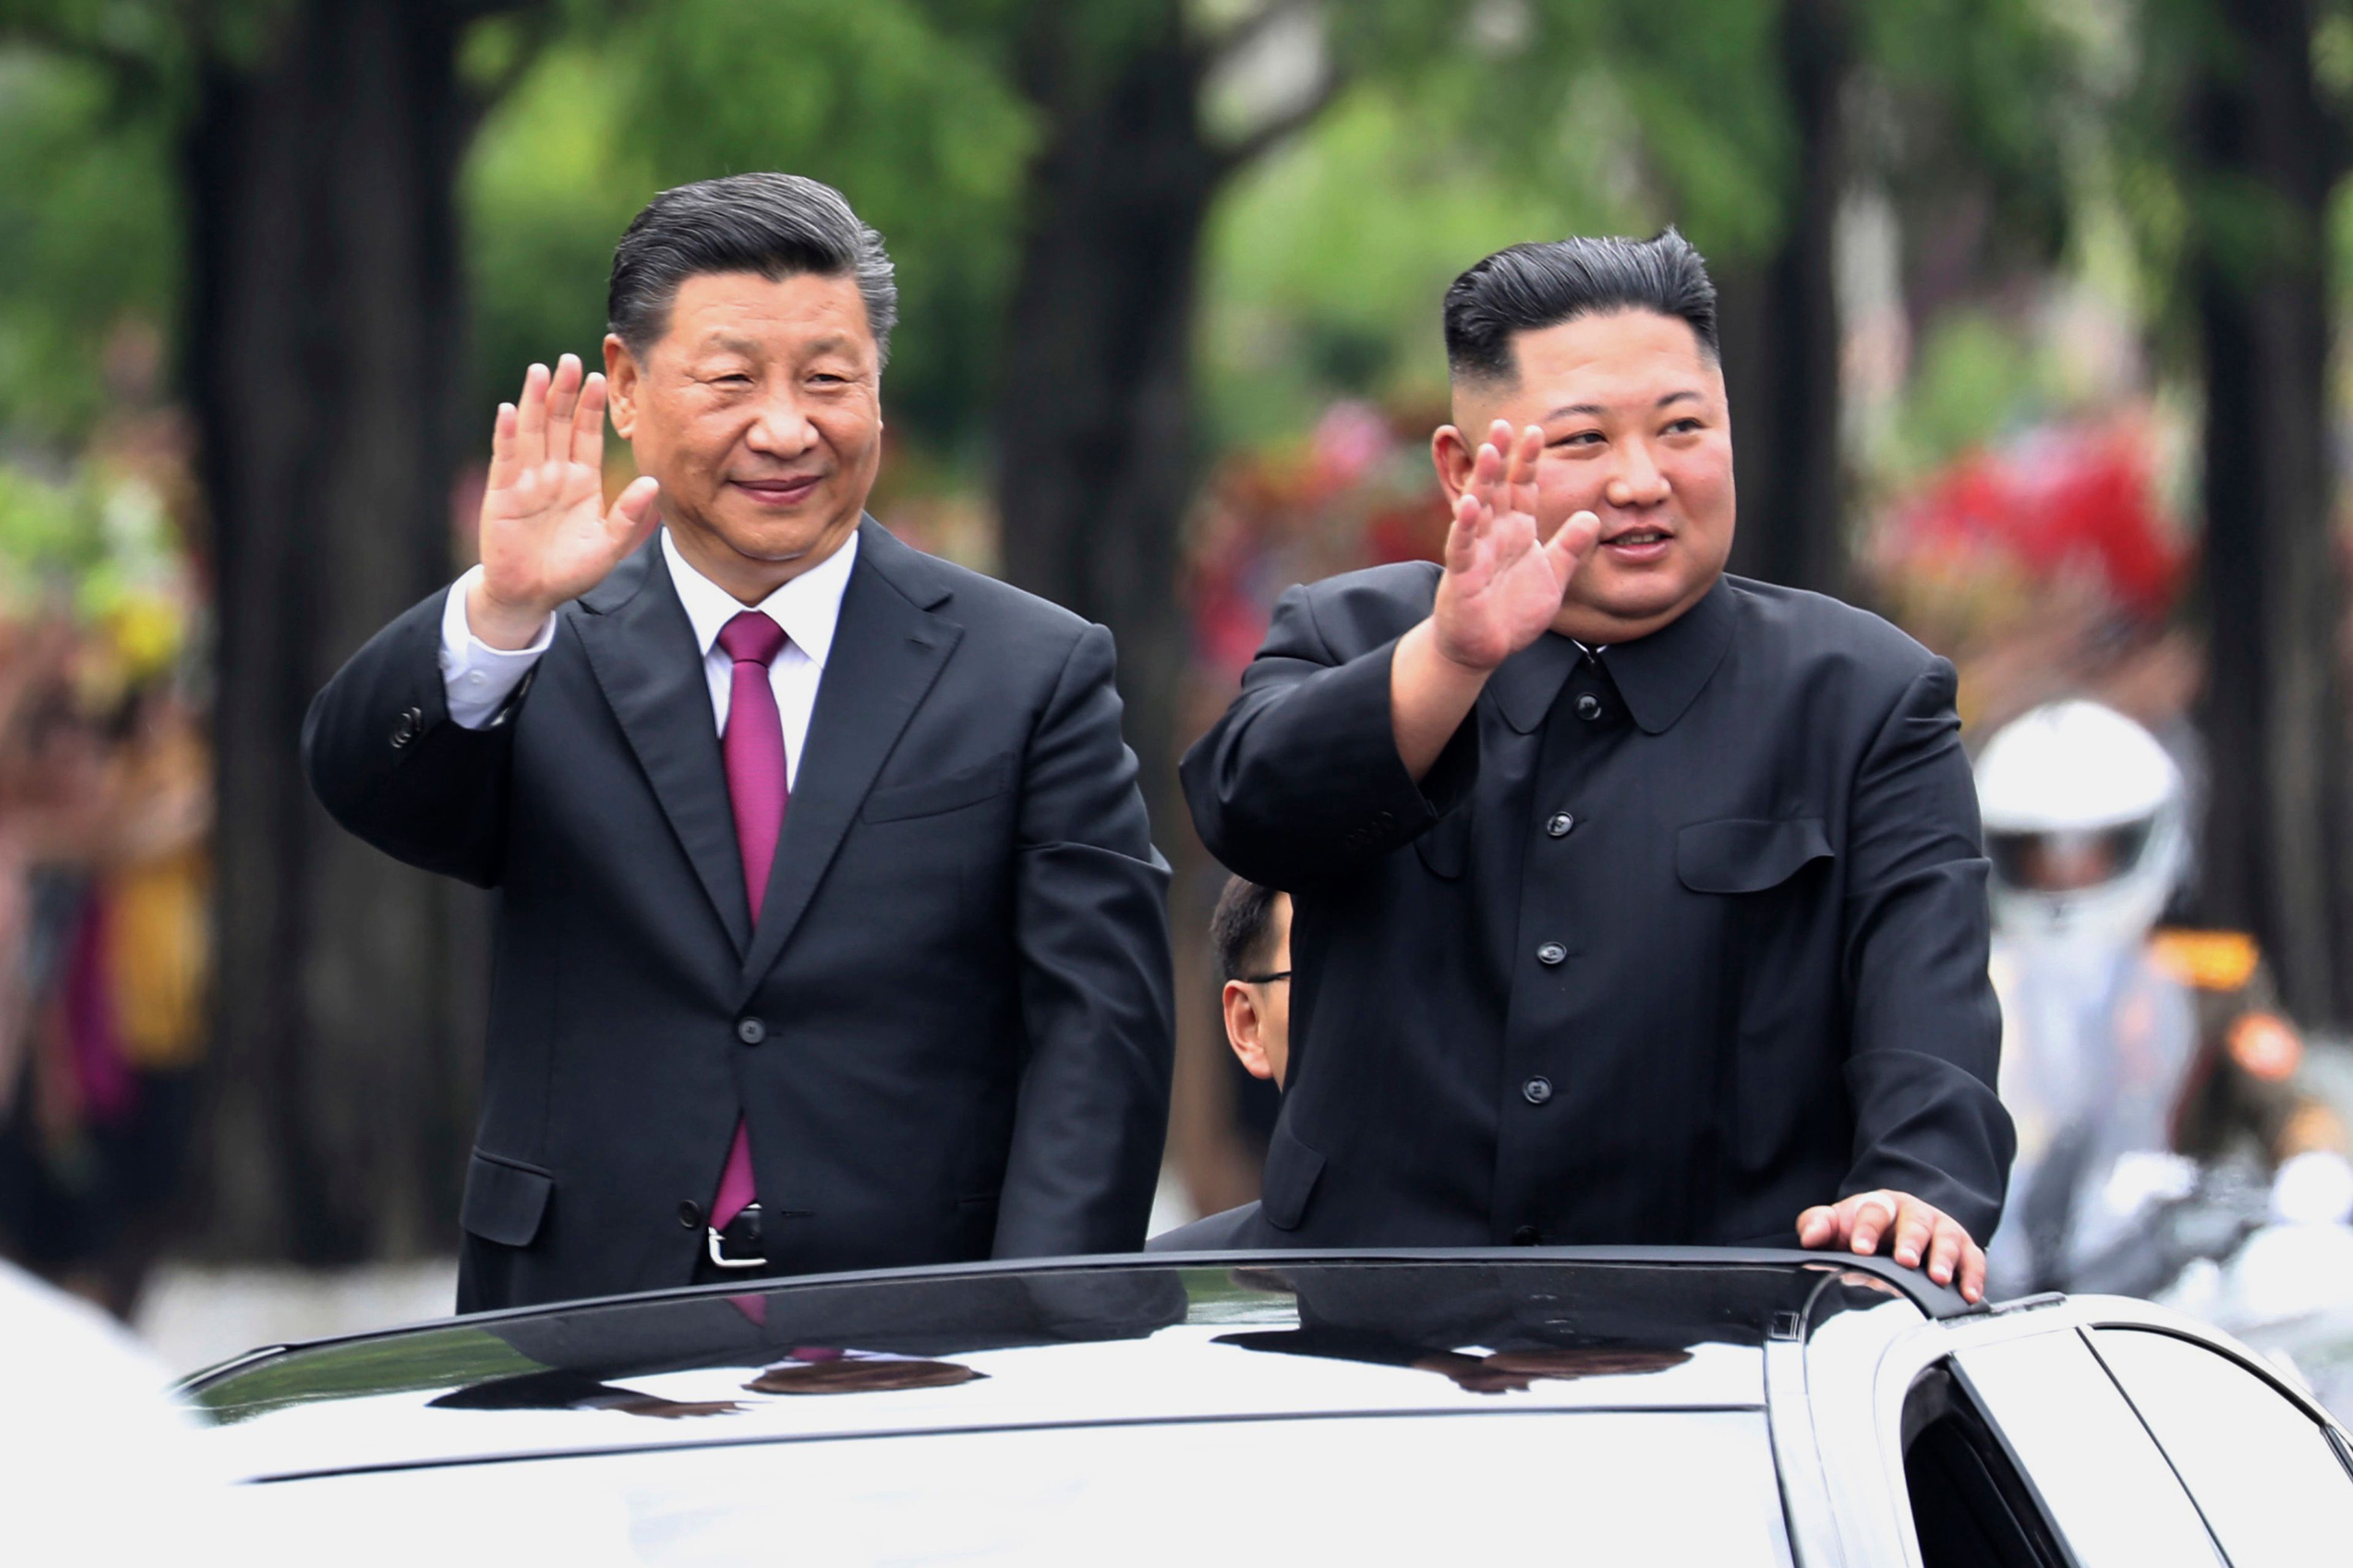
pixel 1324 267
pixel 90 233
pixel 550 183
pixel 1973 378
pixel 928 145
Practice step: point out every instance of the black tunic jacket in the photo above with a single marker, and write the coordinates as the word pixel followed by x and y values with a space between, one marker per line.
pixel 950 1031
pixel 1673 941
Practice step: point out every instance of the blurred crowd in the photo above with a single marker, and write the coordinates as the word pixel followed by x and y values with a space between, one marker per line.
pixel 105 809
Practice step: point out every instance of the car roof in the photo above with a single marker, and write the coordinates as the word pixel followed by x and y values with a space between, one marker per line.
pixel 1126 1340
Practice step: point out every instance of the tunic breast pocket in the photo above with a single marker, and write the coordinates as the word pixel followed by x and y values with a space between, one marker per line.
pixel 1748 856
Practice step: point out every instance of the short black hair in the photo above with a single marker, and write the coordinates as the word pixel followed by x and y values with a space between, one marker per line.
pixel 1242 929
pixel 778 226
pixel 1526 287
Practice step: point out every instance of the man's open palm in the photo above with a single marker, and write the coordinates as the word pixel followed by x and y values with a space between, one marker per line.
pixel 546 535
pixel 1504 580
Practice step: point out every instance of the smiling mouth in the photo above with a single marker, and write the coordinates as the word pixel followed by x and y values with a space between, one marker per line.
pixel 779 491
pixel 1638 539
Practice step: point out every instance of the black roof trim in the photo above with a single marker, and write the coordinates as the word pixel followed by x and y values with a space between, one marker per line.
pixel 1934 1301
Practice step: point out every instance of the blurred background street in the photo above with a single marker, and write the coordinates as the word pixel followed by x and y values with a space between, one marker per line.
pixel 2029 311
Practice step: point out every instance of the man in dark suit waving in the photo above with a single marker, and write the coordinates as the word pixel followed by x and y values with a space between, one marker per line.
pixel 829 931
pixel 1632 903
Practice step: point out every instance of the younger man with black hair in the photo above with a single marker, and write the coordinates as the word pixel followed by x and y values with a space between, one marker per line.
pixel 1635 903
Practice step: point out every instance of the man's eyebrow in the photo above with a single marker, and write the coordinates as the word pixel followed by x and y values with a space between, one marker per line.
pixel 1595 410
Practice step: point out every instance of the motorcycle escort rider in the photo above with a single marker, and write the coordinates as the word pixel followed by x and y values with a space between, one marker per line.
pixel 2133 1056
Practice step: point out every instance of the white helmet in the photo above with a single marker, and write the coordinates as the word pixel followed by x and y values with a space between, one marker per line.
pixel 2084 823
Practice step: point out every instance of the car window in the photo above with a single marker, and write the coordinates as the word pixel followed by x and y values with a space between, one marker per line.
pixel 2262 1471
pixel 2085 1454
pixel 1970 1508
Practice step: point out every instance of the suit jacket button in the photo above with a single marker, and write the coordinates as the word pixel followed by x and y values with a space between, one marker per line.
pixel 411 725
pixel 1550 953
pixel 1559 823
pixel 1527 1236
pixel 751 1031
pixel 689 1213
pixel 1588 706
pixel 1536 1090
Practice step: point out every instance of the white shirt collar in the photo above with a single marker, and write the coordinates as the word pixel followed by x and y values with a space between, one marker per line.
pixel 807 608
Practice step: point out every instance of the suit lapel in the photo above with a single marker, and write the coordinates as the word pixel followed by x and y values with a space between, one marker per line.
pixel 642 648
pixel 887 651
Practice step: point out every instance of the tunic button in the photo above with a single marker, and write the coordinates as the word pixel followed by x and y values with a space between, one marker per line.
pixel 1550 953
pixel 751 1031
pixel 1559 823
pixel 1527 1236
pixel 689 1213
pixel 1588 706
pixel 1536 1090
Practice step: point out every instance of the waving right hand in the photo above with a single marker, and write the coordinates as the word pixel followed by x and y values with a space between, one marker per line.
pixel 546 536
pixel 1502 586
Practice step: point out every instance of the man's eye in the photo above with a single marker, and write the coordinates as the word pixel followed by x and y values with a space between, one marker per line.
pixel 734 378
pixel 1580 438
pixel 1683 426
pixel 827 378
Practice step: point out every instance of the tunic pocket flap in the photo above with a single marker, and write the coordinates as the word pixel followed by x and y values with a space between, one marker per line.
pixel 505 1199
pixel 934 797
pixel 1738 855
pixel 1292 1168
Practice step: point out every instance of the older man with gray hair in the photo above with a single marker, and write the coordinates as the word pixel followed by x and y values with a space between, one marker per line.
pixel 831 935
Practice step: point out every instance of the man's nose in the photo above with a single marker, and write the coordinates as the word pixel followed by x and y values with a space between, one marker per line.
pixel 1637 481
pixel 783 429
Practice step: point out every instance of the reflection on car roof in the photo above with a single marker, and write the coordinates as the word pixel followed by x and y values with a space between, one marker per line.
pixel 1130 1340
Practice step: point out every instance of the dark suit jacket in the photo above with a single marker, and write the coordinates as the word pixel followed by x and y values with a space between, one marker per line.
pixel 951 1031
pixel 1662 951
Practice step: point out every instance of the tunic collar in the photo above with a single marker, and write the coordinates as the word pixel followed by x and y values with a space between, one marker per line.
pixel 1659 676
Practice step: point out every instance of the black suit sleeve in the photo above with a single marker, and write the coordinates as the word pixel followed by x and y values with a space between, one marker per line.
pixel 1091 932
pixel 1926 1027
pixel 389 764
pixel 1301 781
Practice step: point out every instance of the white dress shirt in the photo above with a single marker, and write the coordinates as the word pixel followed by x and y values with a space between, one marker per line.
pixel 479 678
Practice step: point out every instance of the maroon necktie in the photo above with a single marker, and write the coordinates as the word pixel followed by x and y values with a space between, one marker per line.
pixel 755 752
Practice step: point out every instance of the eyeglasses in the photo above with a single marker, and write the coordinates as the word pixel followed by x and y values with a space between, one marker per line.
pixel 1264 979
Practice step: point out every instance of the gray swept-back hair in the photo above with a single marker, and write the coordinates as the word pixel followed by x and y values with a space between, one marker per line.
pixel 1527 287
pixel 778 226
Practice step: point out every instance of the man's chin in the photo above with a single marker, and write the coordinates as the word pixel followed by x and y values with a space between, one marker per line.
pixel 1635 605
pixel 779 540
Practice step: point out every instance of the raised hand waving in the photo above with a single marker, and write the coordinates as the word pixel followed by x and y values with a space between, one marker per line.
pixel 1503 582
pixel 546 535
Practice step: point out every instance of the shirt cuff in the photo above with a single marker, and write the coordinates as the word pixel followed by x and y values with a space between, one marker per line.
pixel 476 678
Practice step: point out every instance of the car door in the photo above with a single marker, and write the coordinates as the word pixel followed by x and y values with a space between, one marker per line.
pixel 2269 1474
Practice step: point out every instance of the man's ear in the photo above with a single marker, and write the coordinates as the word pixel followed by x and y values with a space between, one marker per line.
pixel 1454 458
pixel 621 385
pixel 1244 1029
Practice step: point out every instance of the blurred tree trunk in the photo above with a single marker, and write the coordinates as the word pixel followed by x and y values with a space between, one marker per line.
pixel 325 367
pixel 1095 434
pixel 1094 423
pixel 2266 155
pixel 1782 332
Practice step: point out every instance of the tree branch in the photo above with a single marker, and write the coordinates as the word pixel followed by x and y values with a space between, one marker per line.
pixel 1252 147
pixel 1256 25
